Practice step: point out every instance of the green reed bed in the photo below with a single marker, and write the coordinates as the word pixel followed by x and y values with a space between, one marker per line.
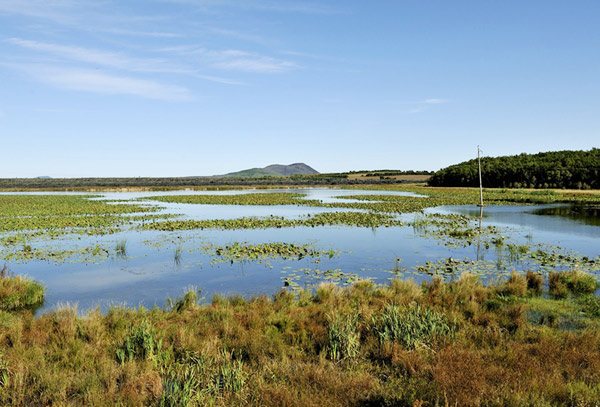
pixel 357 219
pixel 52 212
pixel 399 344
pixel 466 196
pixel 236 199
pixel 65 205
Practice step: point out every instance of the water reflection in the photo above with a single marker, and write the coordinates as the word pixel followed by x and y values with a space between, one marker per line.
pixel 585 214
pixel 480 221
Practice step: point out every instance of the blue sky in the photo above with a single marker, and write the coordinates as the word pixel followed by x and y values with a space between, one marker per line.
pixel 202 87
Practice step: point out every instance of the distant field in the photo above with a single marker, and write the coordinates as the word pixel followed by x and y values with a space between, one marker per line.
pixel 411 178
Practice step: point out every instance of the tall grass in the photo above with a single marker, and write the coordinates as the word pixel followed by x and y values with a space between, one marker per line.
pixel 457 343
pixel 121 248
pixel 344 339
pixel 411 326
pixel 576 283
pixel 140 343
pixel 177 255
pixel 17 292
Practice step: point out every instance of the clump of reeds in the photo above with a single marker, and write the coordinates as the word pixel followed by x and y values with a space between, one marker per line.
pixel 177 255
pixel 344 338
pixel 535 282
pixel 411 326
pixel 516 285
pixel 121 248
pixel 17 292
pixel 575 282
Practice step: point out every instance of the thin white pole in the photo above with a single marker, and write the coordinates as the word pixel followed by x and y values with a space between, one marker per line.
pixel 480 182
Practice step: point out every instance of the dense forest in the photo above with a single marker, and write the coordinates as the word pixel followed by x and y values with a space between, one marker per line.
pixel 555 169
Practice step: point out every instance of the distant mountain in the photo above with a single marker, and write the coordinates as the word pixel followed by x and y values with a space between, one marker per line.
pixel 275 170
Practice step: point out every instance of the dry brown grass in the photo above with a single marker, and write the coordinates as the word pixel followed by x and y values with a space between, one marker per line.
pixel 275 352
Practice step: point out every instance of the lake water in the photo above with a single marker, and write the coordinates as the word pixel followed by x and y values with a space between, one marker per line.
pixel 149 273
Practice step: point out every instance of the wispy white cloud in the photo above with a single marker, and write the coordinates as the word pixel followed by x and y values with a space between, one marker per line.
pixel 87 15
pixel 235 60
pixel 239 35
pixel 99 57
pixel 426 104
pixel 300 54
pixel 104 83
pixel 69 13
pixel 37 8
pixel 263 5
pixel 154 34
pixel 116 60
pixel 435 101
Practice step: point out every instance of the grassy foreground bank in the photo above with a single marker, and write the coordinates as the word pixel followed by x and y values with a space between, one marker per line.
pixel 457 343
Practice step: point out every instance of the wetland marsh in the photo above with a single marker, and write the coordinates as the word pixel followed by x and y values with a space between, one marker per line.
pixel 142 248
pixel 305 297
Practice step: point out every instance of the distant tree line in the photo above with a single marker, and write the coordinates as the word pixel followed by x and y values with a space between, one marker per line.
pixel 180 182
pixel 556 169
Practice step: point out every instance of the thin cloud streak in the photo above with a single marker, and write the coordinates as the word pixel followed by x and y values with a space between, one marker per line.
pixel 89 81
pixel 117 60
pixel 94 56
pixel 239 35
pixel 235 60
pixel 426 105
pixel 435 101
pixel 262 5
pixel 153 34
pixel 39 8
pixel 103 83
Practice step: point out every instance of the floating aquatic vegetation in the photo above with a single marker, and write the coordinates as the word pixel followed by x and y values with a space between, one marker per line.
pixel 91 254
pixel 276 198
pixel 358 219
pixel 62 205
pixel 307 277
pixel 243 251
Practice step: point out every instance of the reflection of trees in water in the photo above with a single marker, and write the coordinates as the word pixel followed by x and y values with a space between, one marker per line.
pixel 589 215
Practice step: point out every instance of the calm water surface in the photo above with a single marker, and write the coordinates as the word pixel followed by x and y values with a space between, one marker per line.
pixel 149 274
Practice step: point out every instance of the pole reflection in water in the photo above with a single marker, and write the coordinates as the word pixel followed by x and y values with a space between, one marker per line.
pixel 479 233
